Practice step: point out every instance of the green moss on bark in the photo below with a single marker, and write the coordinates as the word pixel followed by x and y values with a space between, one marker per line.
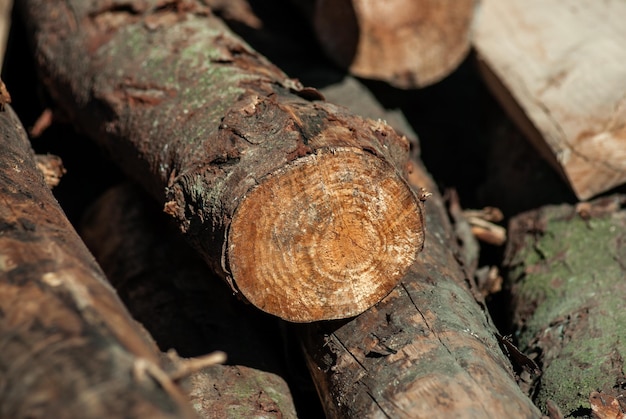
pixel 569 291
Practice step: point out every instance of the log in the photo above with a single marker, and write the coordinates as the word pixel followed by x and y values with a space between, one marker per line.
pixel 68 347
pixel 428 350
pixel 406 43
pixel 562 81
pixel 566 279
pixel 236 391
pixel 283 194
pixel 5 24
pixel 185 307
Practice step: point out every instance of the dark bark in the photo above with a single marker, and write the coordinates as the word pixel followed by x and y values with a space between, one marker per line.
pixel 282 193
pixel 566 278
pixel 68 347
pixel 185 307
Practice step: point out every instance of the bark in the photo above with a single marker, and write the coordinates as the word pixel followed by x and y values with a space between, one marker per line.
pixel 406 43
pixel 68 347
pixel 566 277
pixel 562 81
pixel 283 194
pixel 240 392
pixel 170 291
pixel 427 350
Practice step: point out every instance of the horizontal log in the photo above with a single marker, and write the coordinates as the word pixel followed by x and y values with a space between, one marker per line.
pixel 562 81
pixel 283 194
pixel 68 347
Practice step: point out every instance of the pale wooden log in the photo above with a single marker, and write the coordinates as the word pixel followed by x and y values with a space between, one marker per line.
pixel 406 43
pixel 5 24
pixel 558 69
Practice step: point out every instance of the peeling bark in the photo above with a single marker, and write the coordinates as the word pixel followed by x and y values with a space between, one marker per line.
pixel 566 277
pixel 428 350
pixel 283 194
pixel 68 348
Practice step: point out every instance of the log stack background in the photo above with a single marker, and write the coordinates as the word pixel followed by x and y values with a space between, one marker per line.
pixel 488 104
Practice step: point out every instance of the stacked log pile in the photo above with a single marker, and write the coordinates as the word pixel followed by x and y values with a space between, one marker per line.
pixel 303 236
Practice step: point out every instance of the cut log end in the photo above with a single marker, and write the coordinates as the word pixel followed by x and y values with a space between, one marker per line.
pixel 406 43
pixel 339 229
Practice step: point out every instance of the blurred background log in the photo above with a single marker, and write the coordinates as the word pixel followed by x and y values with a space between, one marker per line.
pixel 563 81
pixel 185 307
pixel 67 344
pixel 282 193
pixel 406 43
pixel 5 24
pixel 566 279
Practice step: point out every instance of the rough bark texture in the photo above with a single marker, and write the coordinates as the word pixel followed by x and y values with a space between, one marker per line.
pixel 240 392
pixel 283 194
pixel 68 348
pixel 567 282
pixel 427 350
pixel 406 43
pixel 562 81
pixel 171 292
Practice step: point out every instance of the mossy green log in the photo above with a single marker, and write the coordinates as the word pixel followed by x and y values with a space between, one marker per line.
pixel 566 276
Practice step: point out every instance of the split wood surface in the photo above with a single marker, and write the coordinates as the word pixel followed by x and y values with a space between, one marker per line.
pixel 406 43
pixel 566 276
pixel 558 68
pixel 283 194
pixel 67 344
pixel 427 350
pixel 185 307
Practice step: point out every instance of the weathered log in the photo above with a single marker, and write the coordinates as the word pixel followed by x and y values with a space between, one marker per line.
pixel 562 81
pixel 428 350
pixel 235 391
pixel 68 347
pixel 566 278
pixel 172 293
pixel 283 194
pixel 406 43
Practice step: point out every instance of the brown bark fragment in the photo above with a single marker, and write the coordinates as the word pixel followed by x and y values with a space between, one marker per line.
pixel 205 123
pixel 406 43
pixel 68 348
pixel 51 167
pixel 426 350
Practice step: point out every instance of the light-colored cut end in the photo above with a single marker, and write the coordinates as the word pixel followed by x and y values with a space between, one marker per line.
pixel 326 237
